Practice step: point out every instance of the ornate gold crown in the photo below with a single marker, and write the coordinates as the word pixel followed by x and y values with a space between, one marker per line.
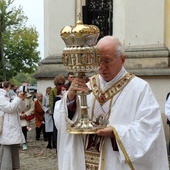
pixel 80 35
pixel 81 55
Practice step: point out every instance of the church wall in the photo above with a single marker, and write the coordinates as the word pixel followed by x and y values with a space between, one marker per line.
pixel 43 84
pixel 160 88
pixel 144 23
pixel 136 23
pixel 141 25
pixel 58 14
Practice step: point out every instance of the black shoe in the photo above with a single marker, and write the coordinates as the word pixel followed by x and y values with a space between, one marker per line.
pixel 54 146
pixel 37 138
pixel 49 146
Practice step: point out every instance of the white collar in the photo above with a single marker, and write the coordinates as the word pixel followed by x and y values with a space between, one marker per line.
pixel 104 85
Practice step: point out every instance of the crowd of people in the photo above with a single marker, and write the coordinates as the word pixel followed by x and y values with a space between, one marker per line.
pixel 133 137
pixel 18 107
pixel 11 135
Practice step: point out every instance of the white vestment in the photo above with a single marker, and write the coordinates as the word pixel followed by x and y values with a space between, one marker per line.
pixel 47 115
pixel 136 117
pixel 167 108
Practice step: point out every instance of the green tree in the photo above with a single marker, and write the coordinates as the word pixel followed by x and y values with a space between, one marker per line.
pixel 21 55
pixel 18 43
pixel 23 78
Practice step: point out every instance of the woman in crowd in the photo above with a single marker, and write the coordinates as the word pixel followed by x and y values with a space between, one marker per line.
pixel 39 116
pixel 61 90
pixel 58 80
pixel 11 135
pixel 27 111
pixel 48 117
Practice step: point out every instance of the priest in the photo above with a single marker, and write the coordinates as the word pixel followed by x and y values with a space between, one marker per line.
pixel 133 138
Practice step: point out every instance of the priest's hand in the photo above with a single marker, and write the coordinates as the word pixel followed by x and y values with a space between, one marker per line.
pixel 78 84
pixel 106 132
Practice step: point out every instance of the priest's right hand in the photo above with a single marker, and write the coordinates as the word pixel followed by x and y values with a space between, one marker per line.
pixel 78 84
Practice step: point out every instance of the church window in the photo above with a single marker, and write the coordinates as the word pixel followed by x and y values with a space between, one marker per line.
pixel 99 13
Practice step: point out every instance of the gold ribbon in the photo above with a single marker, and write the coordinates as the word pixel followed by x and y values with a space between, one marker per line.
pixel 127 158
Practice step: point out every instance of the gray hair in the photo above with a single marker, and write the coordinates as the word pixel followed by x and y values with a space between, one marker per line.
pixel 116 42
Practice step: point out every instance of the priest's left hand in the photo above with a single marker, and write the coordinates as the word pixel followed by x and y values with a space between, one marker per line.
pixel 107 132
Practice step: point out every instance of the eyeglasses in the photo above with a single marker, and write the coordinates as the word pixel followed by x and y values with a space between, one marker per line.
pixel 106 62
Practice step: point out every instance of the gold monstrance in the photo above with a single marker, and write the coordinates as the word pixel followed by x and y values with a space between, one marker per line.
pixel 80 55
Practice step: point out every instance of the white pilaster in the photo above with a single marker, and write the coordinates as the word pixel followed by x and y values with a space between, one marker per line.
pixel 139 22
pixel 58 14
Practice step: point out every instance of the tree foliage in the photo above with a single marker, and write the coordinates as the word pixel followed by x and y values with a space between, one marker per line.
pixel 18 43
pixel 23 78
pixel 20 53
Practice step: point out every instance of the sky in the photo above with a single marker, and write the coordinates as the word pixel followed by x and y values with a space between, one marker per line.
pixel 34 10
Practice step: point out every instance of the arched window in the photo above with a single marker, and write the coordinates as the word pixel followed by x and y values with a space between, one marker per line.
pixel 99 13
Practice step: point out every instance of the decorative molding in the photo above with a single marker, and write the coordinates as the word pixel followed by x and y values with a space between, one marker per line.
pixel 51 66
pixel 142 61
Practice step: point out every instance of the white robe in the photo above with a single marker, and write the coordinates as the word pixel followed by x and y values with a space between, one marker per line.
pixel 12 131
pixel 47 115
pixel 167 108
pixel 137 119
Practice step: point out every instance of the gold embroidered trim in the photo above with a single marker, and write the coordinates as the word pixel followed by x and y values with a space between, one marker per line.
pixel 103 97
pixel 103 143
pixel 127 158
pixel 103 156
pixel 92 159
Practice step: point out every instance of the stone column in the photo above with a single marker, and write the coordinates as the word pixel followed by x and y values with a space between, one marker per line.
pixel 167 23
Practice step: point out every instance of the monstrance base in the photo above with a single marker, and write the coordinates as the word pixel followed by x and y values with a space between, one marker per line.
pixel 84 127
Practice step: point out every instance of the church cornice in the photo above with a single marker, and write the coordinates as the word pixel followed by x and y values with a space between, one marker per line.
pixel 142 61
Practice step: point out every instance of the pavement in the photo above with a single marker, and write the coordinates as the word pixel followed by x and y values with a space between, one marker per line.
pixel 37 156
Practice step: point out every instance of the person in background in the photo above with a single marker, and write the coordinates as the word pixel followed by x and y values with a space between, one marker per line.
pixel 39 116
pixel 70 78
pixel 59 80
pixel 12 92
pixel 27 111
pixel 48 117
pixel 15 88
pixel 132 136
pixel 11 136
pixel 34 97
pixel 61 90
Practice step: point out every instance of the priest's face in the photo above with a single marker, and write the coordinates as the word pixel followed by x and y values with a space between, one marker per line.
pixel 110 62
